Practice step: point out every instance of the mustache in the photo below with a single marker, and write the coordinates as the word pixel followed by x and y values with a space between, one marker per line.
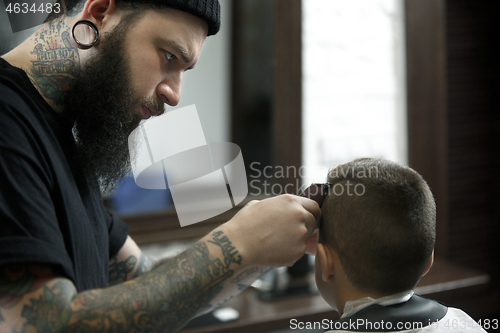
pixel 155 105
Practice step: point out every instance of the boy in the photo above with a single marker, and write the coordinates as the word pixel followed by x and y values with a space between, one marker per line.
pixel 375 241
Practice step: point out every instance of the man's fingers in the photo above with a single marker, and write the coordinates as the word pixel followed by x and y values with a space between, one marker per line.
pixel 275 231
pixel 312 207
pixel 311 224
pixel 312 243
pixel 253 202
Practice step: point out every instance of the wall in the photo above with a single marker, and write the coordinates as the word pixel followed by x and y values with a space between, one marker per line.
pixel 8 39
pixel 208 85
pixel 353 83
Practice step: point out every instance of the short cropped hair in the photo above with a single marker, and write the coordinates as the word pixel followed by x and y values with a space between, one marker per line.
pixel 380 217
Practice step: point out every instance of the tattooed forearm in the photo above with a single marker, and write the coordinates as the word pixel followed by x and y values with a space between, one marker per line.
pixel 160 262
pixel 238 284
pixel 228 250
pixel 51 311
pixel 250 275
pixel 119 270
pixel 145 265
pixel 15 281
pixel 161 300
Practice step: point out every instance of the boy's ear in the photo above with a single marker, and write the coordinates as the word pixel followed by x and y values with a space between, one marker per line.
pixel 325 257
pixel 429 263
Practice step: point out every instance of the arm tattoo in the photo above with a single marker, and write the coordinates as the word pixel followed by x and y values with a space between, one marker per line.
pixel 228 250
pixel 246 278
pixel 119 270
pixel 15 281
pixel 51 310
pixel 145 265
pixel 253 272
pixel 241 282
pixel 161 300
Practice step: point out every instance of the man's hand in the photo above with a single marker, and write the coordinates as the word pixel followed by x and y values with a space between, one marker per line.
pixel 312 243
pixel 273 232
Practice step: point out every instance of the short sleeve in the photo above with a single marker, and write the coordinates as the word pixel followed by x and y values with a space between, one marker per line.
pixel 51 212
pixel 30 231
pixel 118 232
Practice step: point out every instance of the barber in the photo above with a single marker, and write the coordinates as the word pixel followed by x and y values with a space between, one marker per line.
pixel 69 97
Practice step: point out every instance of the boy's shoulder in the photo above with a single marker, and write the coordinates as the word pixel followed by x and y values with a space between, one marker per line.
pixel 418 314
pixel 457 320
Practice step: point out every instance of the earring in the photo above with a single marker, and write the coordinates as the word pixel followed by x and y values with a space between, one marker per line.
pixel 81 44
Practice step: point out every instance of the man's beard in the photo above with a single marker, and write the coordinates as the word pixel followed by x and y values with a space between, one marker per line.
pixel 101 102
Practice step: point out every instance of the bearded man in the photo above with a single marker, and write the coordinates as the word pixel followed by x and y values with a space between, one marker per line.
pixel 69 97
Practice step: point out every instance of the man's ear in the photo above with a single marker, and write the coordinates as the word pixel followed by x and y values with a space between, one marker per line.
pixel 429 263
pixel 97 11
pixel 324 255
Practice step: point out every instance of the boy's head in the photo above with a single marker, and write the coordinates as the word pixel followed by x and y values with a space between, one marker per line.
pixel 378 229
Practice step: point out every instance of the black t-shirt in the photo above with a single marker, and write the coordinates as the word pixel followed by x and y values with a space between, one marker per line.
pixel 49 213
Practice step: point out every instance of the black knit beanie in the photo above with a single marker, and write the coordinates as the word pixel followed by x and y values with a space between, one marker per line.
pixel 207 10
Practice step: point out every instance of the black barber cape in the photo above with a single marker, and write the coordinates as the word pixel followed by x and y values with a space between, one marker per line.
pixel 49 213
